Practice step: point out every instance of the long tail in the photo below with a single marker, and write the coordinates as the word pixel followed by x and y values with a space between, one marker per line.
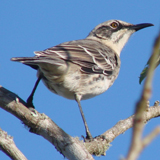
pixel 30 61
pixel 34 62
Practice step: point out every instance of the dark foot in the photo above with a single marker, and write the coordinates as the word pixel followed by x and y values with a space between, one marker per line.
pixel 88 137
pixel 30 102
pixel 103 137
pixel 30 105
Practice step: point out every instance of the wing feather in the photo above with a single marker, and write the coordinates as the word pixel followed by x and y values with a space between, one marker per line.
pixel 92 56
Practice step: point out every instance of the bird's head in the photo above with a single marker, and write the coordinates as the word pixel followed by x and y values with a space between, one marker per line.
pixel 115 33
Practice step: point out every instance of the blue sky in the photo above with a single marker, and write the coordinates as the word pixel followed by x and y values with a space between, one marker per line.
pixel 28 26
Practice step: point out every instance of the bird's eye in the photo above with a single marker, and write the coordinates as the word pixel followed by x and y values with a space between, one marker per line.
pixel 114 25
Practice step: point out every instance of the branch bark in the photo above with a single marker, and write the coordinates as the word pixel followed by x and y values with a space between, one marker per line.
pixel 42 125
pixel 8 146
pixel 70 147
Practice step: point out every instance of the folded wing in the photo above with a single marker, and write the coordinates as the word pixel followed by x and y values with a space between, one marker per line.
pixel 90 55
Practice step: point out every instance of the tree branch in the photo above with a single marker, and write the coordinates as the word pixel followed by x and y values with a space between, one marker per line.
pixel 68 146
pixel 42 125
pixel 123 125
pixel 138 143
pixel 8 146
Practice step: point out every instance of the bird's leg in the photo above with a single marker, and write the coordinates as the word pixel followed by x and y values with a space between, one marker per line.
pixel 30 98
pixel 88 134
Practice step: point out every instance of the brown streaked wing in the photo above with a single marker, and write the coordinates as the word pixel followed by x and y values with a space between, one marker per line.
pixel 93 56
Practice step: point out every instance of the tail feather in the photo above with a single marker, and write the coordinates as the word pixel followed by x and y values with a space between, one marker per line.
pixel 29 61
pixel 34 62
pixel 23 59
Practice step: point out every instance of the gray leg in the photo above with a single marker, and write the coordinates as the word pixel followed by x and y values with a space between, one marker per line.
pixel 88 134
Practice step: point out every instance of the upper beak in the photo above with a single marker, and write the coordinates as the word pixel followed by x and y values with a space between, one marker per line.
pixel 140 26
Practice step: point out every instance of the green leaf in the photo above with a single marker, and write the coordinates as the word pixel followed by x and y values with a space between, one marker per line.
pixel 144 72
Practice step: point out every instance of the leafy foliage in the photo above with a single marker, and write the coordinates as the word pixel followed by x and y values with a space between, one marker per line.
pixel 144 71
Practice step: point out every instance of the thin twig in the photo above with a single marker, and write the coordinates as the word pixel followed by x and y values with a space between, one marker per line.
pixel 137 142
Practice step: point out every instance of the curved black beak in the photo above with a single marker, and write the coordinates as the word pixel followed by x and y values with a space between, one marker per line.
pixel 140 26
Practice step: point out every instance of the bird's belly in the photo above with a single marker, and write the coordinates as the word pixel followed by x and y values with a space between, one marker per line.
pixel 59 89
pixel 96 87
pixel 87 86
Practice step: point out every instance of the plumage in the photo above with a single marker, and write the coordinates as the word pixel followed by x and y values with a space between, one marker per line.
pixel 82 69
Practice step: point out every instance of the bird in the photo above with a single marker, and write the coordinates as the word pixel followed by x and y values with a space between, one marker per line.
pixel 84 68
